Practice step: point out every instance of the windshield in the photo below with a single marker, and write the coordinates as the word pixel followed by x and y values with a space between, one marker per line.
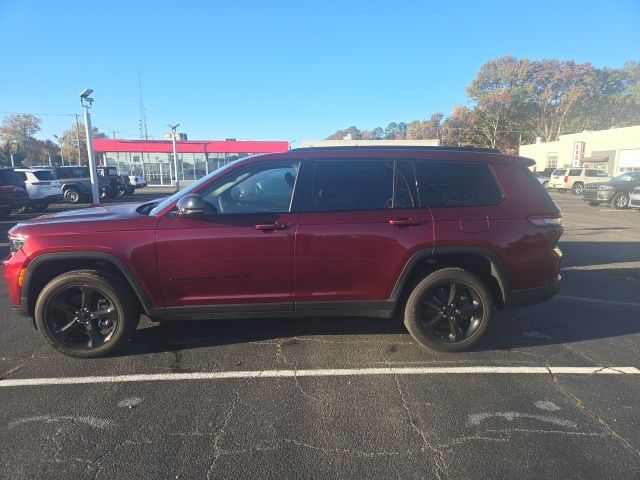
pixel 625 177
pixel 194 186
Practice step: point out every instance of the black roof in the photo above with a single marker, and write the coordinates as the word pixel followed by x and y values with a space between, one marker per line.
pixel 400 147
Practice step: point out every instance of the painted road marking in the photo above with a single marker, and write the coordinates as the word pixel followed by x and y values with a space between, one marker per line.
pixel 344 372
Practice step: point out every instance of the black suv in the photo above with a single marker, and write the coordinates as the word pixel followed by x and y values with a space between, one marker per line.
pixel 13 193
pixel 616 191
pixel 117 185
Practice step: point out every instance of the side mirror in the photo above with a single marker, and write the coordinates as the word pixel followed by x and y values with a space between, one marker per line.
pixel 191 206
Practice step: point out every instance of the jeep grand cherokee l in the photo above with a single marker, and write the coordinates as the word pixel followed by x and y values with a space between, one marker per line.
pixel 439 236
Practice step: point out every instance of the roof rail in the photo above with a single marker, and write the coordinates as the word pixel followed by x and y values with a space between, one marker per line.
pixel 401 147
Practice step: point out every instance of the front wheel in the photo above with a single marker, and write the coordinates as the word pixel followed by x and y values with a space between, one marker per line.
pixel 620 201
pixel 71 195
pixel 39 206
pixel 578 188
pixel 86 313
pixel 449 310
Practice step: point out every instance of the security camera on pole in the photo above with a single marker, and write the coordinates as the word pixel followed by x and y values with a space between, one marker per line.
pixel 175 153
pixel 86 102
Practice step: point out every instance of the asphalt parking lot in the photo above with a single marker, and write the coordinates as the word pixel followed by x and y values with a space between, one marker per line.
pixel 556 397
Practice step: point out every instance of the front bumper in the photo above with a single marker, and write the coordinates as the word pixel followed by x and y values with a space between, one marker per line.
pixel 597 195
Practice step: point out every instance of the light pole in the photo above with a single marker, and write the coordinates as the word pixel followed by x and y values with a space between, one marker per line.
pixel 86 102
pixel 60 146
pixel 175 153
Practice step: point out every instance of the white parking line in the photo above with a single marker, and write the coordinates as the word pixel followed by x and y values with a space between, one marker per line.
pixel 344 372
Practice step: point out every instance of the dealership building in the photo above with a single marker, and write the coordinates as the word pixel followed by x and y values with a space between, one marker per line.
pixel 196 158
pixel 615 150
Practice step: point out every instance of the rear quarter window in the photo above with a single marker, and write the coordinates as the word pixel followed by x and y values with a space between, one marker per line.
pixel 456 184
pixel 558 172
pixel 44 175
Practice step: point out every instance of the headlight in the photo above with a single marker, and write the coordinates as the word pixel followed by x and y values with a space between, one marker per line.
pixel 16 243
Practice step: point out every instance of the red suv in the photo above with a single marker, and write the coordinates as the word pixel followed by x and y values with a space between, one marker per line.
pixel 441 236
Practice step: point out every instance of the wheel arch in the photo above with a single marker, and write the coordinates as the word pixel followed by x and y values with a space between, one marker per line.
pixel 43 268
pixel 478 260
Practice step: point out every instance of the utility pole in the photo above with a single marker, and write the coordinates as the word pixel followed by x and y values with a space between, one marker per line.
pixel 78 138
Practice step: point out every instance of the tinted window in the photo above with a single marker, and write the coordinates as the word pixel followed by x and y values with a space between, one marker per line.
pixel 353 185
pixel 21 175
pixel 601 173
pixel 259 188
pixel 558 172
pixel 590 173
pixel 575 172
pixel 44 175
pixel 448 184
pixel 9 177
pixel 406 195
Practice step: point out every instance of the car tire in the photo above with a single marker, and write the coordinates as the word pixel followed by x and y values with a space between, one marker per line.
pixel 545 184
pixel 71 195
pixel 39 206
pixel 594 204
pixel 577 188
pixel 620 201
pixel 432 320
pixel 86 313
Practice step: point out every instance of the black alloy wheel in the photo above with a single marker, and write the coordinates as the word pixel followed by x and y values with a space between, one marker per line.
pixel 39 206
pixel 81 317
pixel 86 313
pixel 449 310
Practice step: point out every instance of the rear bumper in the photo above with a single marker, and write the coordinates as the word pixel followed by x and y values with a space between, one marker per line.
pixel 531 296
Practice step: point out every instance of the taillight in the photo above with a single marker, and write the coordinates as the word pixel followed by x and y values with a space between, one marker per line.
pixel 566 179
pixel 546 220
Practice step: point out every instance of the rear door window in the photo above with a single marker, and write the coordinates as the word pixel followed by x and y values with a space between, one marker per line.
pixel 575 172
pixel 9 177
pixel 342 185
pixel 453 184
pixel 405 188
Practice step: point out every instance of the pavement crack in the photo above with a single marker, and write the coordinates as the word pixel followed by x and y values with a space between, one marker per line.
pixel 20 364
pixel 440 465
pixel 593 415
pixel 217 451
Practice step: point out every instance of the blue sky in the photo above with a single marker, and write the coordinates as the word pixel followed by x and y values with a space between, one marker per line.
pixel 282 70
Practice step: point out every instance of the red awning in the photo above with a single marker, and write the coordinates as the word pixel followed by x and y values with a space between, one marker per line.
pixel 190 146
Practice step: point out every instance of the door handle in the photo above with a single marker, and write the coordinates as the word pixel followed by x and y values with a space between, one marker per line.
pixel 271 227
pixel 405 222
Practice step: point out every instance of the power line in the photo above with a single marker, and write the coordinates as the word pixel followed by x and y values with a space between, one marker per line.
pixel 40 114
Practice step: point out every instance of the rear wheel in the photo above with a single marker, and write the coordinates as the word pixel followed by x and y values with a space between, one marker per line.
pixel 86 313
pixel 449 310
pixel 577 188
pixel 620 200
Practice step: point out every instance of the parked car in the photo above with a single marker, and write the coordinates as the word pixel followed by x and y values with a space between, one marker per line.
pixel 575 179
pixel 441 236
pixel 117 186
pixel 634 198
pixel 542 178
pixel 76 182
pixel 616 192
pixel 13 193
pixel 138 181
pixel 42 187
